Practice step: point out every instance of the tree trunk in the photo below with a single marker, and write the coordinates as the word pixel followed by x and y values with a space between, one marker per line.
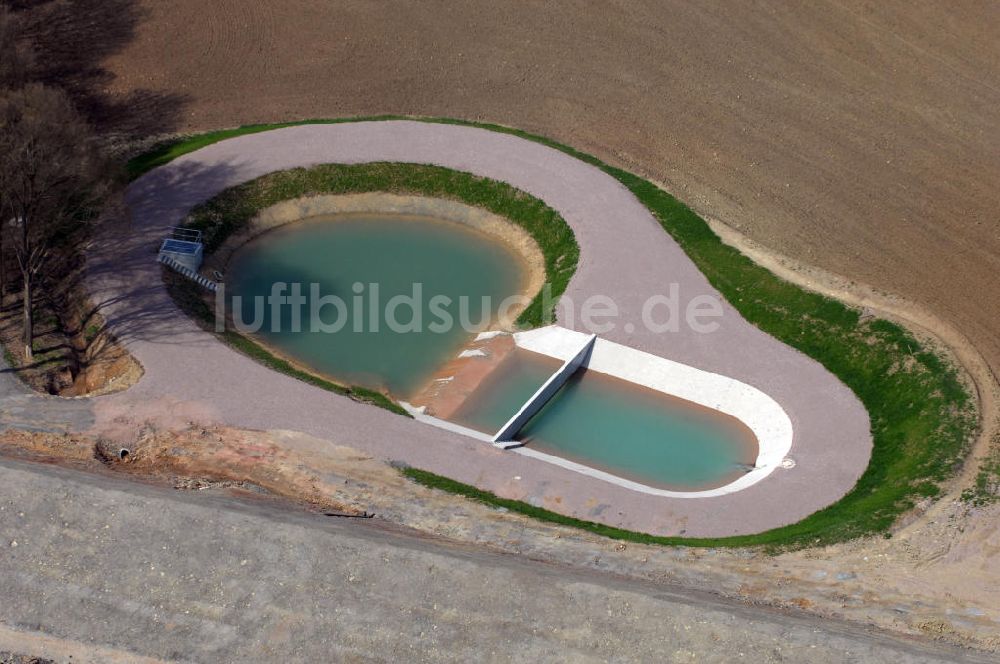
pixel 29 319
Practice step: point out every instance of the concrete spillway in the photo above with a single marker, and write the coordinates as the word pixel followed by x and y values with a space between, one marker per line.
pixel 505 436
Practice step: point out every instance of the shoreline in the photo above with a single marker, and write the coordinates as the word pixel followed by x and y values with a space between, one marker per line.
pixel 328 208
pixel 512 237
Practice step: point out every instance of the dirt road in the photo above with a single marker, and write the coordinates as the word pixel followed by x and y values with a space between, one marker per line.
pixel 859 137
pixel 232 581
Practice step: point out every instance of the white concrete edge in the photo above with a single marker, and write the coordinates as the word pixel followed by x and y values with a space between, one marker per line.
pixel 505 435
pixel 420 416
pixel 742 483
pixel 762 414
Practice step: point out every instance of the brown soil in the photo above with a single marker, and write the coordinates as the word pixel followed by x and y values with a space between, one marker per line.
pixel 73 352
pixel 195 458
pixel 937 334
pixel 451 385
pixel 856 136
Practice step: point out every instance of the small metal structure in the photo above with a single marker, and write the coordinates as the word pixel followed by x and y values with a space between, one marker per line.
pixel 184 247
pixel 182 251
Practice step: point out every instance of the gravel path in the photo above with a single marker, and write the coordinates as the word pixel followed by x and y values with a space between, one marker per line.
pixel 625 254
pixel 22 408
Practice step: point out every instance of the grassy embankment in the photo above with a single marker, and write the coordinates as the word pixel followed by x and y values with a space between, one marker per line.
pixel 922 417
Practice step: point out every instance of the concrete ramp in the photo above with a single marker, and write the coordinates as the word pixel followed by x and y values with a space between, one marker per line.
pixel 505 436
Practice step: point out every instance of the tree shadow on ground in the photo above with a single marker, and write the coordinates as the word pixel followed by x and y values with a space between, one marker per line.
pixel 128 298
pixel 72 40
pixel 127 287
pixel 67 44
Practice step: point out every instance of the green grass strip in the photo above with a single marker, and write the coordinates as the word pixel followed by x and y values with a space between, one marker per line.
pixel 922 417
pixel 434 481
pixel 232 209
pixel 169 150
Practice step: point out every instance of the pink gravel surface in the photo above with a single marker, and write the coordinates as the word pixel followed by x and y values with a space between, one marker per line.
pixel 625 254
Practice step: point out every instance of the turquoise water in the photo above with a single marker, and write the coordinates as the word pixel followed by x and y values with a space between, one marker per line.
pixel 394 254
pixel 508 386
pixel 615 426
pixel 641 434
pixel 595 419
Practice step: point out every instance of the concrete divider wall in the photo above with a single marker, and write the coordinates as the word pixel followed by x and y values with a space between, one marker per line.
pixel 573 360
pixel 761 413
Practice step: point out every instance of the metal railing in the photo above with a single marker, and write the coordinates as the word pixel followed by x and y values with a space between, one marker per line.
pixel 185 234
pixel 204 282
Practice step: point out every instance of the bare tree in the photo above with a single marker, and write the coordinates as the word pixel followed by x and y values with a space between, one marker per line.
pixel 51 179
pixel 16 58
